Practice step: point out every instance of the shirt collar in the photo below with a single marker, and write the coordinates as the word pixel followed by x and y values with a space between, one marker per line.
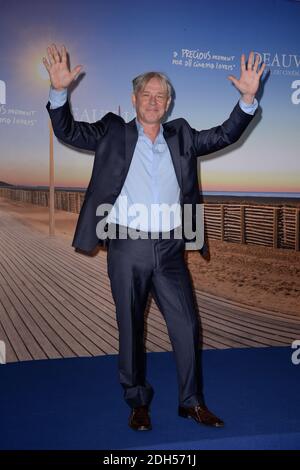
pixel 159 138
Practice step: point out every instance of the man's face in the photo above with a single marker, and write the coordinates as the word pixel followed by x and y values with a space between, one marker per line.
pixel 152 102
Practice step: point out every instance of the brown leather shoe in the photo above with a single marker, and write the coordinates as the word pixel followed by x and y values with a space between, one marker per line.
pixel 139 419
pixel 201 414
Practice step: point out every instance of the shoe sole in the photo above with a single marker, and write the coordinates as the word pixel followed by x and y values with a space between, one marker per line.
pixel 141 428
pixel 183 414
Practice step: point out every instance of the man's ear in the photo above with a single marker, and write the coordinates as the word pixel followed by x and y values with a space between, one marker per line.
pixel 168 103
pixel 133 99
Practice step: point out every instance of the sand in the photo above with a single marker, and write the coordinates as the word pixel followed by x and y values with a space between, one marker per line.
pixel 254 275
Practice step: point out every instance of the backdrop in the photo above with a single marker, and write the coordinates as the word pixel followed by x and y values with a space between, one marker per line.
pixel 197 44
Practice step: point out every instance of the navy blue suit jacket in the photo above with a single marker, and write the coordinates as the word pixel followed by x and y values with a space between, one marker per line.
pixel 113 141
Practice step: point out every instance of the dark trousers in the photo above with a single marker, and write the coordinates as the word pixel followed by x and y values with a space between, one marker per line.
pixel 136 268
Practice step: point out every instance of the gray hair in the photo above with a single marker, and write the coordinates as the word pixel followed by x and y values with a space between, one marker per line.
pixel 141 81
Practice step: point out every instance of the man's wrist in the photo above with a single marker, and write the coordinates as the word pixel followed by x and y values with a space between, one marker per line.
pixel 248 99
pixel 57 98
pixel 58 89
pixel 248 108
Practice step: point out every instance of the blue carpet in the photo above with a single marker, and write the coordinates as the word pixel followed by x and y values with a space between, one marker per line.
pixel 78 403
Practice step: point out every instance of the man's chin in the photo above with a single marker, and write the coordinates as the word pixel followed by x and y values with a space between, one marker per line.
pixel 154 119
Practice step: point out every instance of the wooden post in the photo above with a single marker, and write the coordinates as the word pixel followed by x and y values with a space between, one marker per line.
pixel 51 183
pixel 77 203
pixel 222 223
pixel 242 224
pixel 297 230
pixel 275 226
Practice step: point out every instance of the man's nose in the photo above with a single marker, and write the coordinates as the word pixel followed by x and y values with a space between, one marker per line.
pixel 152 99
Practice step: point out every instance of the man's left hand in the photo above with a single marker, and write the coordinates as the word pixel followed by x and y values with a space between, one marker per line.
pixel 248 82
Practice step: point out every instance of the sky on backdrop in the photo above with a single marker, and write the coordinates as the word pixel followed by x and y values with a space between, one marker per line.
pixel 197 44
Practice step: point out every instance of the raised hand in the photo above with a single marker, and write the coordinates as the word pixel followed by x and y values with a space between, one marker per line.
pixel 60 74
pixel 248 82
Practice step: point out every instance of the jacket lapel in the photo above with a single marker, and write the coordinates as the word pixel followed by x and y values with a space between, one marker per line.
pixel 171 138
pixel 131 137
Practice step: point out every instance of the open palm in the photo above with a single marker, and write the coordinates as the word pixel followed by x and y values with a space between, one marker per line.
pixel 59 72
pixel 248 82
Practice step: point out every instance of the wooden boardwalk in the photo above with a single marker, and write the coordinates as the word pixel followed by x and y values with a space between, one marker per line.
pixel 57 303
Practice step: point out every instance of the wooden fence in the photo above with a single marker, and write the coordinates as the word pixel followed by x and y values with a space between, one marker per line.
pixel 275 226
pixel 256 224
pixel 70 201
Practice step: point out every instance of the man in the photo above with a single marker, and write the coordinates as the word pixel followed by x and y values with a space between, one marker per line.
pixel 145 162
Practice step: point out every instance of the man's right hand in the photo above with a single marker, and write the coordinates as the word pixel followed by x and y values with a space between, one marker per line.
pixel 60 74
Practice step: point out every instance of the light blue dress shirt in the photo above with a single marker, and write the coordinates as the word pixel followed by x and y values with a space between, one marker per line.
pixel 150 197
